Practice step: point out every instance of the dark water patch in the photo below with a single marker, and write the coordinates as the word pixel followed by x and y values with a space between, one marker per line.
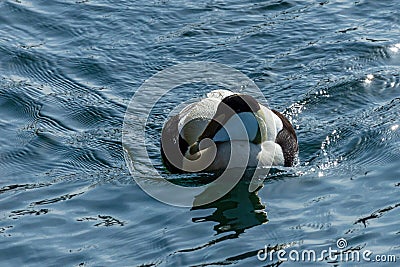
pixel 376 214
pixel 54 200
pixel 105 221
pixel 17 187
pixel 19 213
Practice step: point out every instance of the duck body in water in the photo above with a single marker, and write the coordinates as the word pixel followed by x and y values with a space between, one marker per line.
pixel 203 136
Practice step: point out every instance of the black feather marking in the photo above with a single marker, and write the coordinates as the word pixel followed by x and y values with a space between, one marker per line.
pixel 170 133
pixel 287 139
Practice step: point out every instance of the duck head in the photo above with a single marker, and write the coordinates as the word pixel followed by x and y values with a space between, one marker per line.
pixel 238 118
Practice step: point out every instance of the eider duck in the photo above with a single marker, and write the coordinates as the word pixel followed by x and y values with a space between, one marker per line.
pixel 202 136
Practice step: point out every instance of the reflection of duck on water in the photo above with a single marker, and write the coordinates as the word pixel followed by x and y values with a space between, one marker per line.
pixel 237 211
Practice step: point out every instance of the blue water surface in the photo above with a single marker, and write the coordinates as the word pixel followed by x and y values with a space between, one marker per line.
pixel 68 70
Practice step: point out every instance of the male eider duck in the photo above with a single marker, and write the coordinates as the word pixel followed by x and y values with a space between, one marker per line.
pixel 232 121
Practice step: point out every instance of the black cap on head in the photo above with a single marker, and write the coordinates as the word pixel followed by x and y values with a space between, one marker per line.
pixel 240 103
pixel 228 107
